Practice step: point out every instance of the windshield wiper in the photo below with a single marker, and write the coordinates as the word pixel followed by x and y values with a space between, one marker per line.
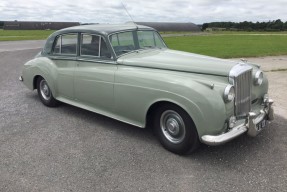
pixel 125 51
pixel 149 47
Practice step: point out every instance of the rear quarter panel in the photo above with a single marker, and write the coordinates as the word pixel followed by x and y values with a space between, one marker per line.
pixel 38 66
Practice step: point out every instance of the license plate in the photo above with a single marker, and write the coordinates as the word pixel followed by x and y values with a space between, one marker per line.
pixel 261 124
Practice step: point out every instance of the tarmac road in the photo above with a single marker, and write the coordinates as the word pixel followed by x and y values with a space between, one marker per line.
pixel 70 149
pixel 20 45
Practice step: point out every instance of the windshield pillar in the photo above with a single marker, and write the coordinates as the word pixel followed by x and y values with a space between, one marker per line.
pixel 136 39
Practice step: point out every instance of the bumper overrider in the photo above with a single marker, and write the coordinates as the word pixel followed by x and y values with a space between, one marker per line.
pixel 253 125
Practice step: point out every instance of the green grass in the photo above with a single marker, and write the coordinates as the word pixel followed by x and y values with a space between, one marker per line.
pixel 231 45
pixel 15 35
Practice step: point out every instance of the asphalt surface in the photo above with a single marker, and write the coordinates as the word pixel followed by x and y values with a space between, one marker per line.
pixel 70 149
pixel 20 45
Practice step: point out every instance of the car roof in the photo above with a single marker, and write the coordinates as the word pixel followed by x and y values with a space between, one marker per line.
pixel 104 28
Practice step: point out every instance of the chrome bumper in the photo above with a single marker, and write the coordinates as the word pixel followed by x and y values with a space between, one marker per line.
pixel 248 126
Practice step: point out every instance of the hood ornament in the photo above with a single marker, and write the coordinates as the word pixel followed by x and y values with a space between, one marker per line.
pixel 243 60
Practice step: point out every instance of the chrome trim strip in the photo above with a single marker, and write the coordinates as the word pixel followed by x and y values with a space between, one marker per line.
pixel 96 61
pixel 60 48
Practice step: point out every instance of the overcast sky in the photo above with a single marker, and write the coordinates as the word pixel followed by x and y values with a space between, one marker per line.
pixel 105 11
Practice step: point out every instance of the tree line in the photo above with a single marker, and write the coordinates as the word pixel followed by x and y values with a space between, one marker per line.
pixel 276 25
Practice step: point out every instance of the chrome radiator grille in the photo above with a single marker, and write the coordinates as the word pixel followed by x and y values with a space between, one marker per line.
pixel 242 84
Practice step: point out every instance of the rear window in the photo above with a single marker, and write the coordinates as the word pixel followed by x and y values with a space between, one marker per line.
pixel 66 44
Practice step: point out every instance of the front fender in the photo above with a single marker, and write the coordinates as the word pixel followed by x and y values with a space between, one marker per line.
pixel 203 103
pixel 141 88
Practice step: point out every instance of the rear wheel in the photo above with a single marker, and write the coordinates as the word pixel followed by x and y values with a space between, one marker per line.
pixel 45 93
pixel 175 129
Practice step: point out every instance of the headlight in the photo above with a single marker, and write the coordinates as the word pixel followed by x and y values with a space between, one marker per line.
pixel 229 93
pixel 258 78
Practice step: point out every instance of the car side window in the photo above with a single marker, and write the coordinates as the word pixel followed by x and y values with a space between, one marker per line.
pixel 90 45
pixel 66 44
pixel 149 39
pixel 104 51
pixel 57 48
pixel 94 45
pixel 123 42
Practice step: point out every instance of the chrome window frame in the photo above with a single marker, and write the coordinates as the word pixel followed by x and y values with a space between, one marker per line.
pixel 81 43
pixel 61 41
pixel 101 38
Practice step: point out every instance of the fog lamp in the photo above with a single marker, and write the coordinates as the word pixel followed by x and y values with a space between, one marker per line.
pixel 232 121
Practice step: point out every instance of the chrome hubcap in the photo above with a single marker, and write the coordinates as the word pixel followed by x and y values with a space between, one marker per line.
pixel 172 126
pixel 45 90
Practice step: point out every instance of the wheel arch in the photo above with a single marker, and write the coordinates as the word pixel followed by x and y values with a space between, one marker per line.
pixel 35 79
pixel 49 80
pixel 39 67
pixel 193 113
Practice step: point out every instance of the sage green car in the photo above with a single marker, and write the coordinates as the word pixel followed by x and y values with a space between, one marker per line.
pixel 126 72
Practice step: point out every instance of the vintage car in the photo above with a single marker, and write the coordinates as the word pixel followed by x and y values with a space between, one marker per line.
pixel 126 72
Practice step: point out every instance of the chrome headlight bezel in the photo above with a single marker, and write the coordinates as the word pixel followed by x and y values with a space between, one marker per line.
pixel 229 93
pixel 258 78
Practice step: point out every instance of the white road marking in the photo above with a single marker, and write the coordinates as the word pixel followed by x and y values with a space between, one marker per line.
pixel 7 50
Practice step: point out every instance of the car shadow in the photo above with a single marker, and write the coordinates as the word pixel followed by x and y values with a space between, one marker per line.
pixel 239 150
pixel 247 150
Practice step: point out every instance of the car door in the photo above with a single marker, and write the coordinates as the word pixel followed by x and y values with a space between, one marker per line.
pixel 94 74
pixel 64 56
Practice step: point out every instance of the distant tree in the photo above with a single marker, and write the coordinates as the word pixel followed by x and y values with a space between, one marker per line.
pixel 204 26
pixel 276 25
pixel 262 26
pixel 1 24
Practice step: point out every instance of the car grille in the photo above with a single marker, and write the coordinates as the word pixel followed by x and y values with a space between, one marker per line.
pixel 242 84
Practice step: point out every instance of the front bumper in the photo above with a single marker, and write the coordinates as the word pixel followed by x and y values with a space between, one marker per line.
pixel 249 126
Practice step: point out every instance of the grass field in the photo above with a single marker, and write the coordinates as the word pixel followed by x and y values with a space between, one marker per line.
pixel 231 45
pixel 15 35
pixel 219 44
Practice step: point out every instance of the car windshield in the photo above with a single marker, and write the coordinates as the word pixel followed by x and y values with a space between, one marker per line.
pixel 129 41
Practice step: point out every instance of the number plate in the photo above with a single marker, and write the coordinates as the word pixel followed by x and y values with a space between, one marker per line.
pixel 261 124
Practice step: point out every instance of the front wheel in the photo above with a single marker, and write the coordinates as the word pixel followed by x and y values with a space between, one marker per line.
pixel 45 93
pixel 175 129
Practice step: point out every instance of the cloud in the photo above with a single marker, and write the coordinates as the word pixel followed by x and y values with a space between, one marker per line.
pixel 98 11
